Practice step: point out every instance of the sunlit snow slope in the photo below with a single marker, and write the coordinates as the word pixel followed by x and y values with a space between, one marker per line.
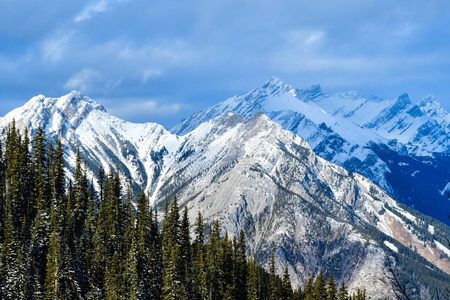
pixel 250 173
pixel 402 146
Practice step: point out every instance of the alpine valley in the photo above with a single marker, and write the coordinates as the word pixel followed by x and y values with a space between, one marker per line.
pixel 310 173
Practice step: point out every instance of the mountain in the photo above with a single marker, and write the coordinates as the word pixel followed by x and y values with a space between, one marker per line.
pixel 401 146
pixel 251 173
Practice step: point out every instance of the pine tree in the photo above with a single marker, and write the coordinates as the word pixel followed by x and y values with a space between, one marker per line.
pixel 343 293
pixel 287 292
pixel 199 287
pixel 40 224
pixel 12 268
pixel 272 279
pixel 252 283
pixel 214 284
pixel 320 291
pixel 53 259
pixel 2 196
pixel 173 288
pixel 241 272
pixel 331 288
pixel 309 289
pixel 185 253
pixel 114 279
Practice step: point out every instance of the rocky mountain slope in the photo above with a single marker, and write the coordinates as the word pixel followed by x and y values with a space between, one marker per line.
pixel 402 146
pixel 251 173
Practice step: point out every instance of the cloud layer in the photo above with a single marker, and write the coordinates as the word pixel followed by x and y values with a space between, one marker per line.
pixel 196 53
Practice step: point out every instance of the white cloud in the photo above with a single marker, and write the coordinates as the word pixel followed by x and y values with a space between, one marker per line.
pixel 94 9
pixel 53 48
pixel 304 40
pixel 90 10
pixel 89 80
pixel 145 110
pixel 150 73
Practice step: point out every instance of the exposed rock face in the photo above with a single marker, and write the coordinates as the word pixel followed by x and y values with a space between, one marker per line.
pixel 401 146
pixel 251 174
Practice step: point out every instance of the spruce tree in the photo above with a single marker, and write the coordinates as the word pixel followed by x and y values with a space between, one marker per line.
pixel 214 284
pixel 186 253
pixel 241 272
pixel 252 283
pixel 287 292
pixel 309 289
pixel 320 291
pixel 199 287
pixel 53 259
pixel 331 288
pixel 12 267
pixel 272 279
pixel 343 293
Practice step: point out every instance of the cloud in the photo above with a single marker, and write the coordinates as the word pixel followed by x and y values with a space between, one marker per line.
pixel 150 73
pixel 94 9
pixel 90 80
pixel 53 48
pixel 141 110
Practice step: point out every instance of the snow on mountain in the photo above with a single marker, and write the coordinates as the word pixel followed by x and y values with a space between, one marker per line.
pixel 362 134
pixel 250 173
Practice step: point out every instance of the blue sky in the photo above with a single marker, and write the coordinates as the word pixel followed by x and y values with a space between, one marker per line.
pixel 160 61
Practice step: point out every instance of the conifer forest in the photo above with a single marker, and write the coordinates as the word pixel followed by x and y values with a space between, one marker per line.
pixel 63 239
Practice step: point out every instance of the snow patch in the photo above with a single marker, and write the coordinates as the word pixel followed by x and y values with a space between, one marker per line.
pixel 391 246
pixel 445 189
pixel 442 248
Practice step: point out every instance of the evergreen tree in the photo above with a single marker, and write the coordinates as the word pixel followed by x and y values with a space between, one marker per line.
pixel 331 288
pixel 252 283
pixel 241 272
pixel 343 293
pixel 2 196
pixel 186 254
pixel 114 288
pixel 273 279
pixel 53 259
pixel 199 287
pixel 320 291
pixel 215 286
pixel 173 288
pixel 287 292
pixel 12 268
pixel 309 289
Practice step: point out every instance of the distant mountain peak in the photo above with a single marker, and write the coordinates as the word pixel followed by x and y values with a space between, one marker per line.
pixel 403 99
pixel 312 93
pixel 275 86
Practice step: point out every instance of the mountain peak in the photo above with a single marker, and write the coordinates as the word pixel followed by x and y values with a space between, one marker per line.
pixel 403 100
pixel 275 86
pixel 77 100
pixel 431 107
pixel 312 93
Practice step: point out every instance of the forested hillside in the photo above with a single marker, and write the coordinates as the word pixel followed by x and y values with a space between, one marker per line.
pixel 65 240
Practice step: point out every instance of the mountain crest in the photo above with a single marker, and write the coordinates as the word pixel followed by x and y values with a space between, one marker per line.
pixel 312 93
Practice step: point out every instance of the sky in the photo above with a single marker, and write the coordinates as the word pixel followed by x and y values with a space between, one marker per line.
pixel 160 61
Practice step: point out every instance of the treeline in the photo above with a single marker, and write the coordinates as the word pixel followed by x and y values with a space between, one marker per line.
pixel 62 240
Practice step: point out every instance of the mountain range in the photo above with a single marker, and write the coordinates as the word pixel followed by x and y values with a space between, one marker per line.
pixel 261 162
pixel 401 146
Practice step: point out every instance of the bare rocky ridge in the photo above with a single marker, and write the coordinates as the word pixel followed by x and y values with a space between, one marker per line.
pixel 250 174
pixel 402 146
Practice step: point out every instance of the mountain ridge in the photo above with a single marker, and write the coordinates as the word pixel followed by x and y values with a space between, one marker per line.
pixel 251 173
pixel 359 134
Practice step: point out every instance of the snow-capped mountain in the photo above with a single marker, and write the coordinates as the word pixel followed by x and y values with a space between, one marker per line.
pixel 250 173
pixel 402 146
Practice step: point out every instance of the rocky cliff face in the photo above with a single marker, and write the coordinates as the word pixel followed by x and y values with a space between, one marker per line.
pixel 250 173
pixel 395 143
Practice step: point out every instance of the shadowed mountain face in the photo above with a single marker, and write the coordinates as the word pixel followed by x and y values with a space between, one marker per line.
pixel 250 173
pixel 401 146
